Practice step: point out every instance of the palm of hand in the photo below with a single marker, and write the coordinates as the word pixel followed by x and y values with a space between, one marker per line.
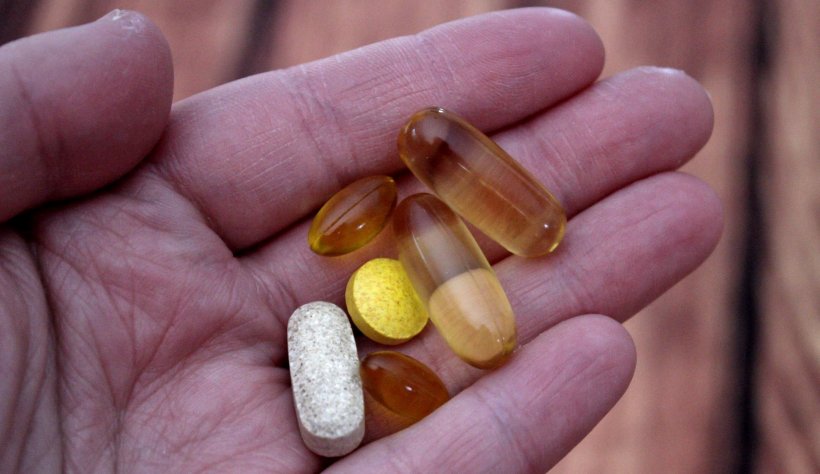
pixel 163 340
pixel 145 325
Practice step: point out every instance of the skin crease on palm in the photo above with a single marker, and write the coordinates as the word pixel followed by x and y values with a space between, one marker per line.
pixel 151 254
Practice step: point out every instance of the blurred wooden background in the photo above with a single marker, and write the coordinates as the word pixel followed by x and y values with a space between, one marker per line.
pixel 728 376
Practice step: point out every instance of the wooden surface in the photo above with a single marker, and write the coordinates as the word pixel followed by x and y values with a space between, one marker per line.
pixel 694 405
pixel 788 378
pixel 679 414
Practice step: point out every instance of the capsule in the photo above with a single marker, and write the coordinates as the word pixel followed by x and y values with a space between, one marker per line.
pixel 481 182
pixel 452 277
pixel 353 216
pixel 402 384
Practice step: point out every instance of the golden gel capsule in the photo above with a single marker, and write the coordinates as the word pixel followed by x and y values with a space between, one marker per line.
pixel 402 384
pixel 353 216
pixel 452 277
pixel 481 182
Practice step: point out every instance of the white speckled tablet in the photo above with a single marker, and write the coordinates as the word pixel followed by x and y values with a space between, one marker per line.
pixel 324 373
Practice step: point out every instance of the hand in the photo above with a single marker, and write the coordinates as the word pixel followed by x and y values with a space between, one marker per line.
pixel 144 290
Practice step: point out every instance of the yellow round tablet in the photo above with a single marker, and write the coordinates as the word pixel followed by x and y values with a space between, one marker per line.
pixel 382 302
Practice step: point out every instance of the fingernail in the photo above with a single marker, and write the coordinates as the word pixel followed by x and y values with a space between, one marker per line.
pixel 114 15
pixel 669 71
pixel 128 19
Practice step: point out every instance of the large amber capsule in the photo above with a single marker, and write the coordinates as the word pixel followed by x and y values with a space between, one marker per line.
pixel 464 299
pixel 402 384
pixel 353 216
pixel 481 182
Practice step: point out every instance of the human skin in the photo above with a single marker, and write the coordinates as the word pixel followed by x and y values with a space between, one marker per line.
pixel 151 255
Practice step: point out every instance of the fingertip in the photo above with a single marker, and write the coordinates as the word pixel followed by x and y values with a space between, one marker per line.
pixel 146 42
pixel 696 98
pixel 133 95
pixel 537 56
pixel 683 99
pixel 588 44
pixel 83 106
pixel 563 23
pixel 704 212
pixel 713 205
pixel 582 49
pixel 607 340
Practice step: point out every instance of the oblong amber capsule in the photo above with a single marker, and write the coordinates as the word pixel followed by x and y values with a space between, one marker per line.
pixel 481 182
pixel 353 216
pixel 402 384
pixel 464 298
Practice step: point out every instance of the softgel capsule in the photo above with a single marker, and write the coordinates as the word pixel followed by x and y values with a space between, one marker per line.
pixel 481 182
pixel 464 299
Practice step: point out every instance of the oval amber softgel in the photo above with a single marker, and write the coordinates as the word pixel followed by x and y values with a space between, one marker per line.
pixel 353 216
pixel 481 182
pixel 452 277
pixel 402 384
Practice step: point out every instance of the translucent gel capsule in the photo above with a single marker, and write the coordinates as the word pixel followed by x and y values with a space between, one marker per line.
pixel 452 277
pixel 402 384
pixel 353 216
pixel 481 182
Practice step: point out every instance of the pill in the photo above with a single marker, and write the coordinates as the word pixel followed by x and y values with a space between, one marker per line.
pixel 481 182
pixel 382 302
pixel 353 216
pixel 324 372
pixel 402 384
pixel 464 299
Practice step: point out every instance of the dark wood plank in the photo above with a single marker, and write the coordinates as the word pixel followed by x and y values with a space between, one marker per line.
pixel 788 370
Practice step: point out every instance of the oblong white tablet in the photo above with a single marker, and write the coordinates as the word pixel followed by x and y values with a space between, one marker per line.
pixel 324 374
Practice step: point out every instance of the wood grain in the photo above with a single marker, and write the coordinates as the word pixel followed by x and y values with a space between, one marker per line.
pixel 680 414
pixel 788 371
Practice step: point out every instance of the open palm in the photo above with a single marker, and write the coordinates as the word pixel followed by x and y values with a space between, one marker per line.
pixel 149 261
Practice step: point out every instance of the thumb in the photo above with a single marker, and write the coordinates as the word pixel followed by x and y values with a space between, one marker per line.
pixel 80 107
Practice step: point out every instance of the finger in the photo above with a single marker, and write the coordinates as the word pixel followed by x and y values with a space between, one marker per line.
pixel 625 252
pixel 523 417
pixel 81 106
pixel 260 153
pixel 643 121
pixel 578 150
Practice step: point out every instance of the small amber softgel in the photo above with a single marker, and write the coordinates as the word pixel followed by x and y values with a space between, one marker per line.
pixel 353 216
pixel 402 384
pixel 481 182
